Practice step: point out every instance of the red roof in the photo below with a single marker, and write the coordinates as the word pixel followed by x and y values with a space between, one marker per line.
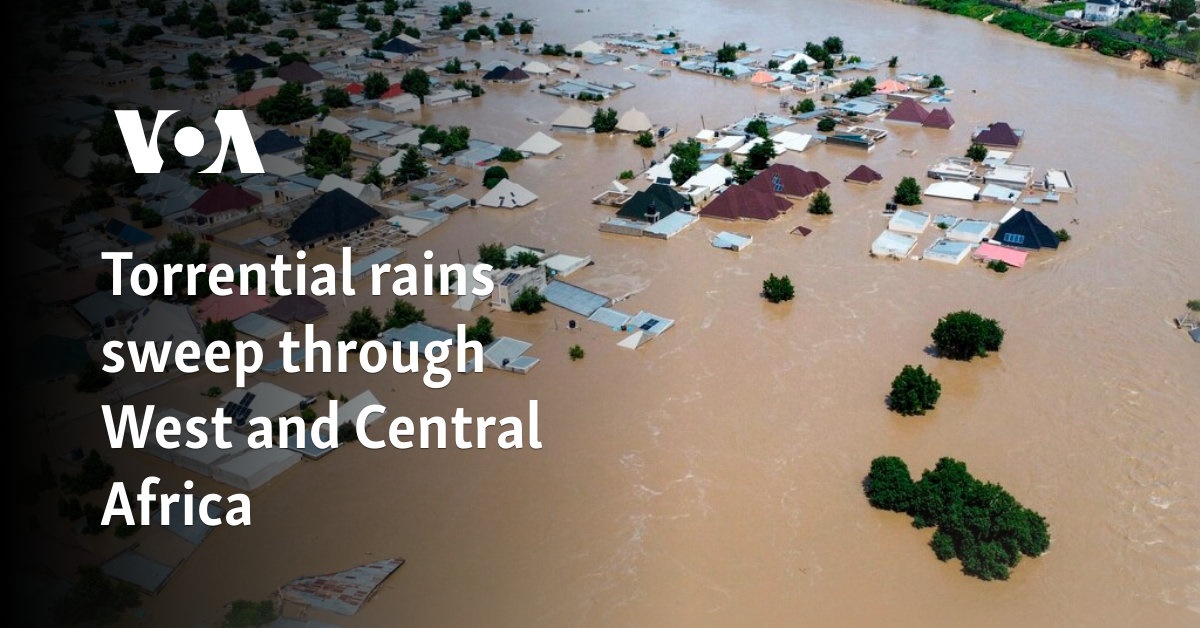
pixel 230 307
pixel 787 180
pixel 741 202
pixel 998 134
pixel 354 89
pixel 908 111
pixel 392 92
pixel 939 119
pixel 223 197
pixel 863 174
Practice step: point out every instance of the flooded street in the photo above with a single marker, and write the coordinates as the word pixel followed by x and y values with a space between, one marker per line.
pixel 713 476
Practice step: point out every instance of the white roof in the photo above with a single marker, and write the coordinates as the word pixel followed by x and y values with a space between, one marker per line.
pixel 412 226
pixel 662 169
pixel 729 142
pixel 350 410
pixel 567 66
pixel 706 135
pixel 634 121
pixel 334 125
pixel 505 348
pixel 970 230
pixel 711 177
pixel 507 194
pixel 364 191
pixel 893 244
pixel 574 117
pixel 960 190
pixel 788 65
pixel 255 467
pixel 204 460
pixel 1059 179
pixel 909 221
pixel 389 165
pixel 269 400
pixel 279 166
pixel 159 322
pixel 536 67
pixel 791 140
pixel 745 149
pixel 563 264
pixel 540 144
pixel 588 47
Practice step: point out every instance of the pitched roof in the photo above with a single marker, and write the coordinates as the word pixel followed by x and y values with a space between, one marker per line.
pixel 787 180
pixel 515 75
pixel 334 213
pixel 392 91
pixel 908 111
pixel 401 47
pixel 939 118
pixel 224 196
pixel 891 86
pixel 575 117
pixel 253 97
pixel 354 89
pixel 230 307
pixel 299 72
pixel 496 73
pixel 634 121
pixel 740 202
pixel 863 174
pixel 508 194
pixel 998 134
pixel 245 62
pixel 540 144
pixel 295 307
pixel 1023 229
pixel 665 199
pixel 276 141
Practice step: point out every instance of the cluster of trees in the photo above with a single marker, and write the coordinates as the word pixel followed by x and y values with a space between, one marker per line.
pixel 250 614
pixel 509 155
pixel 495 254
pixel 778 289
pixel 362 325
pixel 964 335
pixel 452 14
pixel 604 120
pixel 530 301
pixel 288 105
pixel 412 167
pixel 645 139
pixel 450 141
pixel 826 125
pixel 687 160
pixel 976 152
pixel 95 599
pixel 416 82
pixel 979 523
pixel 728 53
pixel 908 192
pixel 481 331
pixel 327 153
pixel 861 87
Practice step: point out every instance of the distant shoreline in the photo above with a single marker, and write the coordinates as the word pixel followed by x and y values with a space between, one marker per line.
pixel 1033 24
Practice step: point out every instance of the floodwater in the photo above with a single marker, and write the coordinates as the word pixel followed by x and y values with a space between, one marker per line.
pixel 712 477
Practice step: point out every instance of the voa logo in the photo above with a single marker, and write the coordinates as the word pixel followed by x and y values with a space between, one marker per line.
pixel 189 141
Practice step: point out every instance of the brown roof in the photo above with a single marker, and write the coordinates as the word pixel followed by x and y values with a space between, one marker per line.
pixel 299 72
pixel 741 202
pixel 998 134
pixel 787 180
pixel 863 174
pixel 254 96
pixel 908 111
pixel 939 119
pixel 224 196
pixel 296 308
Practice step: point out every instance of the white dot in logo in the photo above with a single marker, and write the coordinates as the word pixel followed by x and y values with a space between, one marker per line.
pixel 189 141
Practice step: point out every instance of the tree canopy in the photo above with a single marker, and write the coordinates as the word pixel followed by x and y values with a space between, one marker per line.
pixel 362 325
pixel 964 335
pixel 327 153
pixel 403 313
pixel 778 289
pixel 604 120
pixel 375 85
pixel 914 391
pixel 908 192
pixel 493 176
pixel 416 82
pixel 288 105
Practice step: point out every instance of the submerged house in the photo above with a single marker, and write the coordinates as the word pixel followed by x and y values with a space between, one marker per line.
pixel 909 111
pixel 741 202
pixel 999 134
pixel 1024 230
pixel 863 175
pixel 788 180
pixel 333 215
pixel 653 204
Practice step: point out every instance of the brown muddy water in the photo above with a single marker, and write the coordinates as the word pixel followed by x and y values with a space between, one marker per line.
pixel 712 477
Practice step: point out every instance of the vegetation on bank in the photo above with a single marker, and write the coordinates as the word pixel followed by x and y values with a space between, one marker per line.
pixel 1151 26
pixel 979 523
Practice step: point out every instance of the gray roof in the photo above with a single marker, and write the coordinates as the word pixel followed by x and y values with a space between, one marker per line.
pixel 575 299
pixel 138 570
pixel 97 307
pixel 198 531
pixel 419 333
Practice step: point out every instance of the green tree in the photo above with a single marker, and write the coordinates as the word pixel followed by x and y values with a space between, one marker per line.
pixel 893 62
pixel 494 175
pixel 375 85
pixel 416 82
pixel 575 353
pixel 908 192
pixel 757 127
pixel 480 331
pixel 506 28
pixel 889 486
pixel 936 82
pixel 453 66
pixel 530 301
pixel 362 325
pixel 778 289
pixel 244 80
pixel 1180 9
pixel 95 599
pixel 403 314
pixel 1063 235
pixel 914 391
pixel 524 258
pixel 604 120
pixel 493 254
pixel 335 97
pixel 742 173
pixel 826 125
pixel 861 87
pixel 509 155
pixel 645 139
pixel 727 53
pixel 412 166
pixel 525 28
pixel 198 66
pixel 219 331
pixel 761 154
pixel 390 7
pixel 248 614
pixel 832 45
pixel 374 176
pixel 327 153
pixel 288 105
pixel 977 152
pixel 820 204
pixel 964 335
pixel 807 106
pixel 684 168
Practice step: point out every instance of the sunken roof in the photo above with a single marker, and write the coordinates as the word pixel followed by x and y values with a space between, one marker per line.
pixel 740 202
pixel 296 307
pixel 939 118
pixel 1025 230
pixel 245 62
pixel 335 213
pixel 276 141
pixel 665 199
pixel 224 196
pixel 998 134
pixel 787 180
pixel 299 72
pixel 863 174
pixel 908 110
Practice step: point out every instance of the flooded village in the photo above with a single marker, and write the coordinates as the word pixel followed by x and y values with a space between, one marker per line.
pixel 632 174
